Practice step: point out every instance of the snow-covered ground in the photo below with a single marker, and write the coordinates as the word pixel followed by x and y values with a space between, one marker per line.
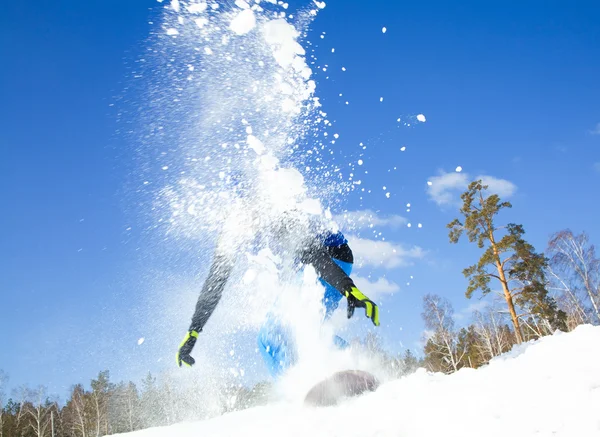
pixel 550 387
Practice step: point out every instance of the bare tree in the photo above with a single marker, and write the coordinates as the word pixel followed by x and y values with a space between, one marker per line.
pixel 576 268
pixel 124 409
pixel 38 408
pixel 569 299
pixel 442 343
pixel 3 384
pixel 20 394
pixel 132 406
pixel 101 390
pixel 78 412
pixel 494 336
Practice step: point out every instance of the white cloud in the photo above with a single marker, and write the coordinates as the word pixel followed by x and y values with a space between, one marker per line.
pixel 501 187
pixel 479 305
pixel 596 130
pixel 376 288
pixel 445 190
pixel 367 218
pixel 383 254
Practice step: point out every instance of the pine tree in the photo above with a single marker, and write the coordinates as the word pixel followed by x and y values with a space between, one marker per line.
pixel 510 259
pixel 410 362
pixel 468 341
pixel 151 403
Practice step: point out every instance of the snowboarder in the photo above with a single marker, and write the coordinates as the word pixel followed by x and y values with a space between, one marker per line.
pixel 331 257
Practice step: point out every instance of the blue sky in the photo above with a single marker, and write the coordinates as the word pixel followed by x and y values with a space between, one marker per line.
pixel 509 91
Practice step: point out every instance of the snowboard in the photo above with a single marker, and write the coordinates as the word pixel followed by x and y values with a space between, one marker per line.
pixel 340 386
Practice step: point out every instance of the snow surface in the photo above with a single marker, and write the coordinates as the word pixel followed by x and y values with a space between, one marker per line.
pixel 550 387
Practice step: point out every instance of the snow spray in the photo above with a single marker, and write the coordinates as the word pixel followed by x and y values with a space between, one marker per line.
pixel 233 122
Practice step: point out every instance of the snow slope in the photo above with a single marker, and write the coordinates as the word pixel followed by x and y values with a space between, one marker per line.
pixel 550 387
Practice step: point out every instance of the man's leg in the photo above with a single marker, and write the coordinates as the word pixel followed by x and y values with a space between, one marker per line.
pixel 331 300
pixel 275 346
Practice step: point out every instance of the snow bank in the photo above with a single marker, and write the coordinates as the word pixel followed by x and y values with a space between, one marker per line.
pixel 546 388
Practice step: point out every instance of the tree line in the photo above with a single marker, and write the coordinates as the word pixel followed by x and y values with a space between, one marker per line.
pixel 536 294
pixel 111 408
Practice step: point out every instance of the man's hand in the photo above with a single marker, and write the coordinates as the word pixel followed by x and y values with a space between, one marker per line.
pixel 357 299
pixel 185 349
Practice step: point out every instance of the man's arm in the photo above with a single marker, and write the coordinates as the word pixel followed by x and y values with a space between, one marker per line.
pixel 212 290
pixel 326 268
pixel 209 298
pixel 333 274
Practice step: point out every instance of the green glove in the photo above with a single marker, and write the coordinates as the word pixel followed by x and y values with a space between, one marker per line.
pixel 357 299
pixel 185 349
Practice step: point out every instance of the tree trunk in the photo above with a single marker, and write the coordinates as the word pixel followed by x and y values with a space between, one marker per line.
pixel 507 294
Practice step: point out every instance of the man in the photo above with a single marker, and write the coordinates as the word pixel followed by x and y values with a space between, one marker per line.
pixel 331 257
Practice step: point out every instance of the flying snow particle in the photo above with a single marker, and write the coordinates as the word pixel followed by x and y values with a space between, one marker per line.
pixel 343 68
pixel 381 99
pixel 408 205
pixel 384 29
pixel 140 341
pixel 387 195
pixel 336 136
pixel 409 225
pixel 172 32
pixel 255 144
pixel 420 225
pixel 243 23
pixel 421 118
pixel 332 50
pixel 402 149
pixel 242 4
pixel 208 50
pixel 458 169
pixel 197 8
pixel 360 162
pixel 201 22
pixel 166 167
pixel 429 183
pixel 320 5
